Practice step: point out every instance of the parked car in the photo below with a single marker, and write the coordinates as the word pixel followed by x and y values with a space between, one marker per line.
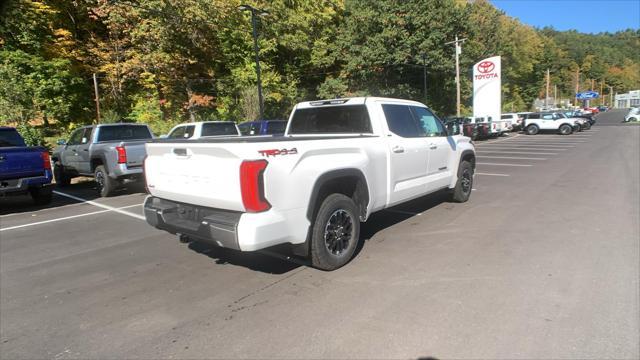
pixel 110 153
pixel 632 115
pixel 515 119
pixel 602 108
pixel 577 114
pixel 197 130
pixel 263 127
pixel 340 161
pixel 550 121
pixel 24 169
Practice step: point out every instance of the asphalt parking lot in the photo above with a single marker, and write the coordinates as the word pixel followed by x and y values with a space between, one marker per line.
pixel 542 262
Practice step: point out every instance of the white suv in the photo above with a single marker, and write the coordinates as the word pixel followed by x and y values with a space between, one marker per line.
pixel 551 121
pixel 633 115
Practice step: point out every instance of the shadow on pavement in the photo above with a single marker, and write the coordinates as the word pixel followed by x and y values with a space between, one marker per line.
pixel 280 259
pixel 251 260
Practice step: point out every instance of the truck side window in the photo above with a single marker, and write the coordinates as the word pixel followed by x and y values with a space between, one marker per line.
pixel 75 137
pixel 401 121
pixel 430 124
pixel 244 128
pixel 178 133
pixel 188 131
pixel 86 137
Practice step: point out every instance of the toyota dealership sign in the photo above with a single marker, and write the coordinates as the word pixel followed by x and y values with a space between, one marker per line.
pixel 487 95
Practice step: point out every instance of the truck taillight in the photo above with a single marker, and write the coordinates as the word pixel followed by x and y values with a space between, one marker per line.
pixel 46 160
pixel 122 155
pixel 252 185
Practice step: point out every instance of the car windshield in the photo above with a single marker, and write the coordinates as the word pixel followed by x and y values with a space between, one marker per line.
pixel 10 137
pixel 123 132
pixel 218 129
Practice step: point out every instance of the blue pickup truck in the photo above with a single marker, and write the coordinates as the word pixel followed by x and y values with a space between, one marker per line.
pixel 23 169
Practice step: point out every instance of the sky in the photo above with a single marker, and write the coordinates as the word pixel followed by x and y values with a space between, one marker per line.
pixel 587 16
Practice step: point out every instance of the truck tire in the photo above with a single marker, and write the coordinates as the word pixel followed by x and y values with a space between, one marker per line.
pixel 335 232
pixel 462 191
pixel 62 179
pixel 532 129
pixel 565 129
pixel 41 196
pixel 104 183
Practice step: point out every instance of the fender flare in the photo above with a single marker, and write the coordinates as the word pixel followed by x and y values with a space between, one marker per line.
pixel 361 192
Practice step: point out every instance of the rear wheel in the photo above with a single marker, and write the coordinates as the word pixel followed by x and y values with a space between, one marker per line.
pixel 62 179
pixel 532 129
pixel 462 191
pixel 587 125
pixel 104 183
pixel 565 129
pixel 41 196
pixel 335 232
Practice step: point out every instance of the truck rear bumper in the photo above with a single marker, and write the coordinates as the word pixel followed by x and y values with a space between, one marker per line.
pixel 230 229
pixel 123 171
pixel 219 227
pixel 18 186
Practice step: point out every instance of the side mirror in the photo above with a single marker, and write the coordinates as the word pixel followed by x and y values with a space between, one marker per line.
pixel 61 142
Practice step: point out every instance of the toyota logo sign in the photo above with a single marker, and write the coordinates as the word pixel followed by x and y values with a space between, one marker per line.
pixel 486 67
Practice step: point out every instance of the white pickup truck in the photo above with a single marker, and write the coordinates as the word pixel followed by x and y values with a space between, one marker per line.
pixel 337 163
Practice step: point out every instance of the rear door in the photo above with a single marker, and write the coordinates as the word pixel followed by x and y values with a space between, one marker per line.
pixel 440 147
pixel 409 155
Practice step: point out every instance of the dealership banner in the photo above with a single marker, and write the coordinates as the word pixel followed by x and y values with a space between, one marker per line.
pixel 487 94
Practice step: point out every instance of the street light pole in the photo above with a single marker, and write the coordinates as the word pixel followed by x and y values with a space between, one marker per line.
pixel 254 13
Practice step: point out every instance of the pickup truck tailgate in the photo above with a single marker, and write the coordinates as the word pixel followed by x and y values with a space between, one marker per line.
pixel 199 174
pixel 135 153
pixel 20 162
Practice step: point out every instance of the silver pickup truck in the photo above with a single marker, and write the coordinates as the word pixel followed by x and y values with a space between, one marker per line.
pixel 111 153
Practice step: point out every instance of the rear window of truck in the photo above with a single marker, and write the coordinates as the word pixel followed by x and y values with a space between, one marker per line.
pixel 123 133
pixel 10 137
pixel 217 129
pixel 350 119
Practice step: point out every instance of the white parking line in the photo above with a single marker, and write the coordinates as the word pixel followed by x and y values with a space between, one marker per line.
pixel 68 217
pixel 505 147
pixel 111 208
pixel 489 174
pixel 499 164
pixel 534 145
pixel 514 152
pixel 509 157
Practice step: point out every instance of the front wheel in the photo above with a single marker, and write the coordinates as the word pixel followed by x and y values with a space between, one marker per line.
pixel 335 232
pixel 104 183
pixel 565 129
pixel 462 191
pixel 532 129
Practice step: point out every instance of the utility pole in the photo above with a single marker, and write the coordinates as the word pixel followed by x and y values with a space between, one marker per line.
pixel 611 97
pixel 555 95
pixel 546 96
pixel 97 96
pixel 577 86
pixel 457 43
pixel 254 14
pixel 424 66
pixel 601 94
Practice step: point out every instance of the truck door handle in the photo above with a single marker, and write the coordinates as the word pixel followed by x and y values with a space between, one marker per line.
pixel 433 146
pixel 398 149
pixel 85 149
